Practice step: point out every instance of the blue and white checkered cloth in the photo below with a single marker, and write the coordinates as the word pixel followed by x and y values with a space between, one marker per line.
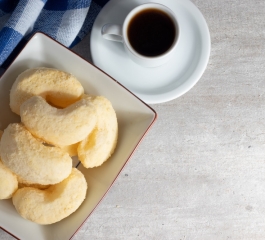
pixel 66 21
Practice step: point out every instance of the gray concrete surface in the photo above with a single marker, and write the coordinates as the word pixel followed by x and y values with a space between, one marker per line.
pixel 200 172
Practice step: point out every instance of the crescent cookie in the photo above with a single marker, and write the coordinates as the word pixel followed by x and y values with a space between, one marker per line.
pixel 58 126
pixel 30 160
pixel 59 88
pixel 70 149
pixel 8 180
pixel 98 146
pixel 53 204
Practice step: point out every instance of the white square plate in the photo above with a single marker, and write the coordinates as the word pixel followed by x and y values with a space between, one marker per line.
pixel 134 120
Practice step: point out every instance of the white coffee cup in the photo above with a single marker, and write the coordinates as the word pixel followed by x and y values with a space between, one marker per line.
pixel 119 33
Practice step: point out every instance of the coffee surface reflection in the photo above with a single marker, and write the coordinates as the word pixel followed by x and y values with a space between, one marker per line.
pixel 151 32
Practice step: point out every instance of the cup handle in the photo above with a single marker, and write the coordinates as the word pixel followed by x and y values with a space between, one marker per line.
pixel 112 32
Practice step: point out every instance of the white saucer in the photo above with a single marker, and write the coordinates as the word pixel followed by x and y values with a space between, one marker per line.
pixel 164 83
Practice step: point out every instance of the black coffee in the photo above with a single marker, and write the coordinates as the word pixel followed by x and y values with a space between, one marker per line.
pixel 151 32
